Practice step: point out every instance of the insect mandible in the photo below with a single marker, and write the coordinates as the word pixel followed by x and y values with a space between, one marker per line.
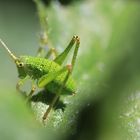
pixel 50 74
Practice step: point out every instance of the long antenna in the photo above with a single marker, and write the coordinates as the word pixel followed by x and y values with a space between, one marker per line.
pixel 10 53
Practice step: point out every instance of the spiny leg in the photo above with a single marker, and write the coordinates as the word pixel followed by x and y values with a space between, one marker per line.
pixel 70 69
pixel 47 78
pixel 57 95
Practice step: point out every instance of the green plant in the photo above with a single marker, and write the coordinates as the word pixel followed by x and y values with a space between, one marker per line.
pixel 107 103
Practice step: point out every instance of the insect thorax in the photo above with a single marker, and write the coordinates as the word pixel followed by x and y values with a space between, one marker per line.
pixel 36 67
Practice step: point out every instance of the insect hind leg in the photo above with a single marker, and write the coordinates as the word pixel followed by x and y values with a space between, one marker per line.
pixel 57 95
pixel 70 69
pixel 60 58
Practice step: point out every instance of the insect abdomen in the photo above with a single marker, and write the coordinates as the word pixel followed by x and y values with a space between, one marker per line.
pixel 56 84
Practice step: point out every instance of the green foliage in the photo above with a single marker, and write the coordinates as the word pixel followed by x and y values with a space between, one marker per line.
pixel 107 73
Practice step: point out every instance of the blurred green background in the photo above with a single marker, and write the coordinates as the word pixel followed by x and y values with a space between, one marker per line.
pixel 107 70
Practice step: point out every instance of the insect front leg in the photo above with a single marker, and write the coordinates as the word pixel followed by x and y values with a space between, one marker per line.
pixel 19 84
pixel 32 91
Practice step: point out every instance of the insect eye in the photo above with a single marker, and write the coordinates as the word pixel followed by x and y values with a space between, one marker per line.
pixel 20 64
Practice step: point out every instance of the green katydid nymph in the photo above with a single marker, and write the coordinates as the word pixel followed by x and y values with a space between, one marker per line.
pixel 47 73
